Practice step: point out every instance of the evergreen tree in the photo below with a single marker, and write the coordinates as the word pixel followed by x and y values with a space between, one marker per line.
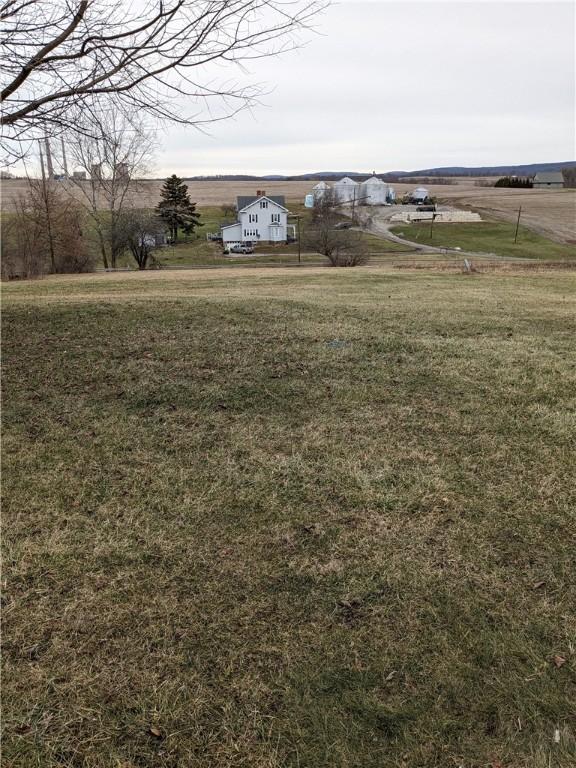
pixel 176 209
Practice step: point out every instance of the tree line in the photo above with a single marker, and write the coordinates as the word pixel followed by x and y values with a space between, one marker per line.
pixel 514 181
pixel 99 76
pixel 71 225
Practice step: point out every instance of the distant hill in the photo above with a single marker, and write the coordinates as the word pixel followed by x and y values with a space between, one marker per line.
pixel 448 171
pixel 489 170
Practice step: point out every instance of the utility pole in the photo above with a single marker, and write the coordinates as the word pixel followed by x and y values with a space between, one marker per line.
pixel 49 165
pixel 64 162
pixel 42 168
pixel 299 241
pixel 517 224
pixel 432 224
pixel 298 217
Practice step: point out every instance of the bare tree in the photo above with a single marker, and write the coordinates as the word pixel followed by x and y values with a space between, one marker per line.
pixel 326 235
pixel 342 247
pixel 44 234
pixel 23 254
pixel 139 231
pixel 228 211
pixel 61 58
pixel 325 205
pixel 112 160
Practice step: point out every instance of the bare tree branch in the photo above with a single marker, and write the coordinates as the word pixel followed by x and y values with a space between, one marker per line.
pixel 111 161
pixel 62 56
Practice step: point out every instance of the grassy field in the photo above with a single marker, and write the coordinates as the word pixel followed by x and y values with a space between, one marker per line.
pixel 293 519
pixel 487 237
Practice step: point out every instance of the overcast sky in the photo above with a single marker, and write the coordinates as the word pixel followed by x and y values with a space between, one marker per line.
pixel 399 86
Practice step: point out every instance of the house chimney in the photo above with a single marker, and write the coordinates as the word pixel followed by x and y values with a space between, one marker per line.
pixel 260 193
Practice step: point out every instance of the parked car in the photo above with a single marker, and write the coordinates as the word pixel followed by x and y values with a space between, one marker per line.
pixel 244 248
pixel 343 225
pixel 426 208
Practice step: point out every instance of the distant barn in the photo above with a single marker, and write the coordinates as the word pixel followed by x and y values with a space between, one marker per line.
pixel 548 180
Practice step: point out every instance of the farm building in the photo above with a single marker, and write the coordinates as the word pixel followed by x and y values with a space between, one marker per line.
pixel 261 219
pixel 346 190
pixel 320 190
pixel 374 192
pixel 548 180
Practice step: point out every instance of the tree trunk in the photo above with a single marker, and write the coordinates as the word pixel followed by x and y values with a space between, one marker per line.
pixel 47 206
pixel 102 248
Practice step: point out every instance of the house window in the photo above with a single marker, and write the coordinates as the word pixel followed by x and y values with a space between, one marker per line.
pixel 275 218
pixel 252 217
pixel 263 203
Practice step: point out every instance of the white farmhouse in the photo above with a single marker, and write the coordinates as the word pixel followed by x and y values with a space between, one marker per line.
pixel 261 219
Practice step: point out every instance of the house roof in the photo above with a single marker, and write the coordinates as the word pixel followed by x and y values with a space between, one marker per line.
pixel 549 177
pixel 245 200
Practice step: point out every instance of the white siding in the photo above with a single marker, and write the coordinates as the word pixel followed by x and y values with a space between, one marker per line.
pixel 231 234
pixel 264 220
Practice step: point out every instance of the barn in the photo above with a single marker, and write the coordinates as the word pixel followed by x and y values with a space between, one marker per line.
pixel 549 180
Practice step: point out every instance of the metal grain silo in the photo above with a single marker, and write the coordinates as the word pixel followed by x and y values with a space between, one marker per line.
pixel 374 192
pixel 346 190
pixel 320 190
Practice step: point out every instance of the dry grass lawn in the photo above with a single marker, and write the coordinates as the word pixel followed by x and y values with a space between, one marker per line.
pixel 290 519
